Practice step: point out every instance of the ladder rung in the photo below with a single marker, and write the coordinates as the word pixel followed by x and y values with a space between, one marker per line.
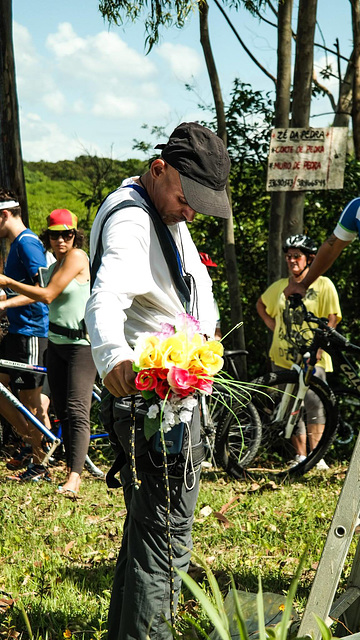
pixel 344 601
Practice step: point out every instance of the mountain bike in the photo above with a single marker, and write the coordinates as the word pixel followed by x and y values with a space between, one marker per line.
pixel 279 396
pixel 53 438
pixel 230 426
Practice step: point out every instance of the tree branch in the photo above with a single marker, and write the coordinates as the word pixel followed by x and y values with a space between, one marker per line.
pixel 324 90
pixel 258 64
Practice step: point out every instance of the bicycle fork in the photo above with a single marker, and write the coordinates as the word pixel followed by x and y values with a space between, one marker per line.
pixel 208 429
pixel 281 411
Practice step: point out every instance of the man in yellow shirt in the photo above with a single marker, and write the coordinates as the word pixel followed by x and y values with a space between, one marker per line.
pixel 322 299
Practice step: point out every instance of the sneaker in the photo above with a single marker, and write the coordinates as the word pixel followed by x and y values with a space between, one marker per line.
pixel 296 460
pixel 20 459
pixel 321 465
pixel 34 472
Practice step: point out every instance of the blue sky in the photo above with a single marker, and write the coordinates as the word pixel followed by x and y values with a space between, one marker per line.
pixel 85 87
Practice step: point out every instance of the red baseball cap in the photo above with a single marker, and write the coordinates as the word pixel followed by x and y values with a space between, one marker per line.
pixel 61 219
pixel 206 260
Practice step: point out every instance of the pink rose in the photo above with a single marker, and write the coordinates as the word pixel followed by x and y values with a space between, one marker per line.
pixel 167 330
pixel 181 381
pixel 205 385
pixel 188 324
pixel 146 380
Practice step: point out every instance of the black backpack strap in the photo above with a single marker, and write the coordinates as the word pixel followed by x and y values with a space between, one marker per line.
pixel 167 244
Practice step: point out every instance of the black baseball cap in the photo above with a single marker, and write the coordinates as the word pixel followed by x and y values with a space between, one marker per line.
pixel 203 164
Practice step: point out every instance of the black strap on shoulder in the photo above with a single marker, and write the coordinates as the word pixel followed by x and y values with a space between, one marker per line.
pixel 167 244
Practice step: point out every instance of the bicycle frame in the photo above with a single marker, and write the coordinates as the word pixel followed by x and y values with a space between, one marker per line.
pixel 328 339
pixel 33 419
pixel 281 410
pixel 344 364
pixel 55 440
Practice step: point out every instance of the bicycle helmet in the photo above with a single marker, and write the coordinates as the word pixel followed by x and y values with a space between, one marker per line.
pixel 304 243
pixel 206 260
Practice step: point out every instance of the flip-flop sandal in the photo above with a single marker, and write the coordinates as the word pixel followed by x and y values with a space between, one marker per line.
pixel 67 493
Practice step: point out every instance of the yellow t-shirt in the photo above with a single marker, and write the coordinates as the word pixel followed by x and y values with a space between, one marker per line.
pixel 321 298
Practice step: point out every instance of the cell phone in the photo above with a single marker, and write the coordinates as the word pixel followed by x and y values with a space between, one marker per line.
pixel 173 440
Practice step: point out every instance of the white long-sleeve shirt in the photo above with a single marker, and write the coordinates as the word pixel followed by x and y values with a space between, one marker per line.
pixel 133 292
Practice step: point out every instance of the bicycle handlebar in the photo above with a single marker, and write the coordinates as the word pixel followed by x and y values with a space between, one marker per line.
pixel 324 330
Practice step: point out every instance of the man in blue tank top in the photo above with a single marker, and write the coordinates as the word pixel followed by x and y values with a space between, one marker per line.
pixel 348 226
pixel 26 339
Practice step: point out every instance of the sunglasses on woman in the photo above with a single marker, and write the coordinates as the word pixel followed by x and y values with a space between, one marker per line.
pixel 293 256
pixel 66 235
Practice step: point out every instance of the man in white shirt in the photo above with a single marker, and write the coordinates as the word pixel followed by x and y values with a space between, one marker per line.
pixel 135 291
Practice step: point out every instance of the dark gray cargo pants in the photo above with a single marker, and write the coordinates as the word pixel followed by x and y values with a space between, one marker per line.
pixel 141 593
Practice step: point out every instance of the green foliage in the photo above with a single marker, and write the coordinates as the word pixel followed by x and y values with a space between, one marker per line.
pixel 79 185
pixel 248 119
pixel 214 607
pixel 160 14
pixel 46 195
pixel 58 555
pixel 322 211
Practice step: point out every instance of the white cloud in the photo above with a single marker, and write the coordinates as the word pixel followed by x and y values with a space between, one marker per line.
pixel 108 105
pixel 94 86
pixel 185 62
pixel 32 77
pixel 46 141
pixel 79 106
pixel 111 106
pixel 55 101
pixel 100 58
pixel 65 42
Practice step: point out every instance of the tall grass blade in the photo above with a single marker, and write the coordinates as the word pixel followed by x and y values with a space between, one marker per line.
pixel 27 621
pixel 284 624
pixel 210 610
pixel 260 612
pixel 238 613
pixel 219 601
pixel 325 631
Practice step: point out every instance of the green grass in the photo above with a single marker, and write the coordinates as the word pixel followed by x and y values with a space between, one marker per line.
pixel 47 195
pixel 57 556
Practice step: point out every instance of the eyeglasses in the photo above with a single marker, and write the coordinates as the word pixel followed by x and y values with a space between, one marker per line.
pixel 293 256
pixel 65 235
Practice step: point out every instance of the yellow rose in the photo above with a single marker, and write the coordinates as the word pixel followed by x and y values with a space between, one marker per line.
pixel 208 357
pixel 150 356
pixel 176 351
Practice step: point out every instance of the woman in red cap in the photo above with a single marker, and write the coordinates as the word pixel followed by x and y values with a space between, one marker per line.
pixel 71 371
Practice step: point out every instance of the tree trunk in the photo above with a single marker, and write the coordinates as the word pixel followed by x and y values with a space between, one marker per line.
pixel 236 314
pixel 281 120
pixel 303 73
pixel 11 167
pixel 355 16
pixel 344 105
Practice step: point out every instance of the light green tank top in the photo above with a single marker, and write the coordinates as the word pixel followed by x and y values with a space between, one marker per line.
pixel 68 309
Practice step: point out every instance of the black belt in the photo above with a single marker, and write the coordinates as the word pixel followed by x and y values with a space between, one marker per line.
pixel 73 334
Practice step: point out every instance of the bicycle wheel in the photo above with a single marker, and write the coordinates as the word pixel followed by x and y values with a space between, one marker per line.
pixel 277 452
pixel 237 438
pixel 348 402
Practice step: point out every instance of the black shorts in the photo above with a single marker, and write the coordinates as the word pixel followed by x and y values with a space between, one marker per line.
pixel 28 349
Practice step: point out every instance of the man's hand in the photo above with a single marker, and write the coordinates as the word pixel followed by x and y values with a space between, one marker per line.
pixel 295 288
pixel 120 380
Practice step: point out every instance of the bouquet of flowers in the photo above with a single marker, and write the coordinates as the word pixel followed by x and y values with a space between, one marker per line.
pixel 172 366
